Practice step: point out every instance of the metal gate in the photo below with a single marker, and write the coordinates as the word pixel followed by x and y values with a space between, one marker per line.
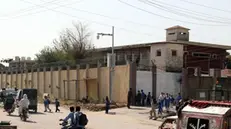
pixel 70 92
pixel 217 95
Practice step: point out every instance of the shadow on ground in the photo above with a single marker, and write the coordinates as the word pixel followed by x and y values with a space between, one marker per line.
pixel 37 113
pixel 137 108
pixel 29 121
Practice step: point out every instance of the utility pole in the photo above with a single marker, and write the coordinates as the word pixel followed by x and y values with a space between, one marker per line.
pixel 112 65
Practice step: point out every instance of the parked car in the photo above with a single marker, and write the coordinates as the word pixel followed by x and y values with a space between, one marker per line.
pixel 32 96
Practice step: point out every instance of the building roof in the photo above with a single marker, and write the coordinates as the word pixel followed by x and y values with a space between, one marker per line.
pixel 141 45
pixel 201 44
pixel 126 46
pixel 177 27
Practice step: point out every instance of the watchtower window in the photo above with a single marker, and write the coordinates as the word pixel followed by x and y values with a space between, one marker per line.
pixel 201 55
pixel 174 52
pixel 182 33
pixel 171 33
pixel 158 52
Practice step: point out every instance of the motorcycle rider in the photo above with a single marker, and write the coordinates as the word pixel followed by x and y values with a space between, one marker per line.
pixel 23 103
pixel 71 117
pixel 9 101
pixel 3 95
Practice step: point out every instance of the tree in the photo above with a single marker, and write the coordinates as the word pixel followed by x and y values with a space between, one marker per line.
pixel 72 44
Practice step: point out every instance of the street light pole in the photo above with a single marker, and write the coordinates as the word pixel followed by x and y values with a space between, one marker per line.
pixel 112 65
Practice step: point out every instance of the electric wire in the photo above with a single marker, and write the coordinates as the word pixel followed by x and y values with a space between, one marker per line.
pixel 96 22
pixel 180 13
pixel 165 17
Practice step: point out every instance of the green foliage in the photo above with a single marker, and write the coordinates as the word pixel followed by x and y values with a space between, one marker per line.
pixel 72 44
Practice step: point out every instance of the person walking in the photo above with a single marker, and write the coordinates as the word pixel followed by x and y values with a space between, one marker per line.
pixel 57 105
pixel 129 98
pixel 138 98
pixel 46 104
pixel 167 102
pixel 153 109
pixel 49 102
pixel 143 97
pixel 149 98
pixel 107 104
pixel 178 98
pixel 160 108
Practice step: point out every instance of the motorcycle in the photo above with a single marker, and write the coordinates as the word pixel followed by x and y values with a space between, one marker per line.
pixel 24 114
pixel 66 125
pixel 10 109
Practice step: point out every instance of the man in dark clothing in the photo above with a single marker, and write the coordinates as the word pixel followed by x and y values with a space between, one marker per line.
pixel 138 98
pixel 3 95
pixel 143 97
pixel 149 99
pixel 129 98
pixel 57 105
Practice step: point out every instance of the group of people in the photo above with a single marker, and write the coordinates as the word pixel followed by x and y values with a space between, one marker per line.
pixel 142 99
pixel 47 103
pixel 164 102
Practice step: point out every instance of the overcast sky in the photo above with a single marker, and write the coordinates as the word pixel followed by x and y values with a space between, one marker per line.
pixel 26 26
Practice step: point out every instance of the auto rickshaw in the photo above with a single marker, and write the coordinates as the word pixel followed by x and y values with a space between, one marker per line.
pixel 204 115
pixel 32 96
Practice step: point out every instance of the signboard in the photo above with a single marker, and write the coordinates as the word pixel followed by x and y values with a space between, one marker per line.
pixel 202 94
pixel 226 73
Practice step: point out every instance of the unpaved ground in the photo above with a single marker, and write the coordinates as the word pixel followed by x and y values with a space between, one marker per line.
pixel 136 118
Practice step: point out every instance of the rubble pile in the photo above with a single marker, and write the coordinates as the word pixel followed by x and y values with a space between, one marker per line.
pixel 94 106
pixel 101 107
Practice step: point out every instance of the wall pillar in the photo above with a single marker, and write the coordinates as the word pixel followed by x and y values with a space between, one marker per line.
pixel 16 73
pixel 98 80
pixel 38 83
pixel 26 78
pixel 77 82
pixel 68 82
pixel 1 83
pixel 184 86
pixel 86 76
pixel 11 78
pixel 44 80
pixel 59 82
pixel 32 78
pixel 7 78
pixel 154 80
pixel 132 80
pixel 21 72
pixel 52 82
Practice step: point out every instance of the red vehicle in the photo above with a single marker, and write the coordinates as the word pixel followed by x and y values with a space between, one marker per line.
pixel 205 115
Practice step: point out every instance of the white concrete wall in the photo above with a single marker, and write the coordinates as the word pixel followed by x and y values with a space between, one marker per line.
pixel 167 82
pixel 144 81
pixel 174 61
pixel 166 58
pixel 159 60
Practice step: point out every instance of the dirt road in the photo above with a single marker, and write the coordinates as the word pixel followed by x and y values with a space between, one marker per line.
pixel 123 118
